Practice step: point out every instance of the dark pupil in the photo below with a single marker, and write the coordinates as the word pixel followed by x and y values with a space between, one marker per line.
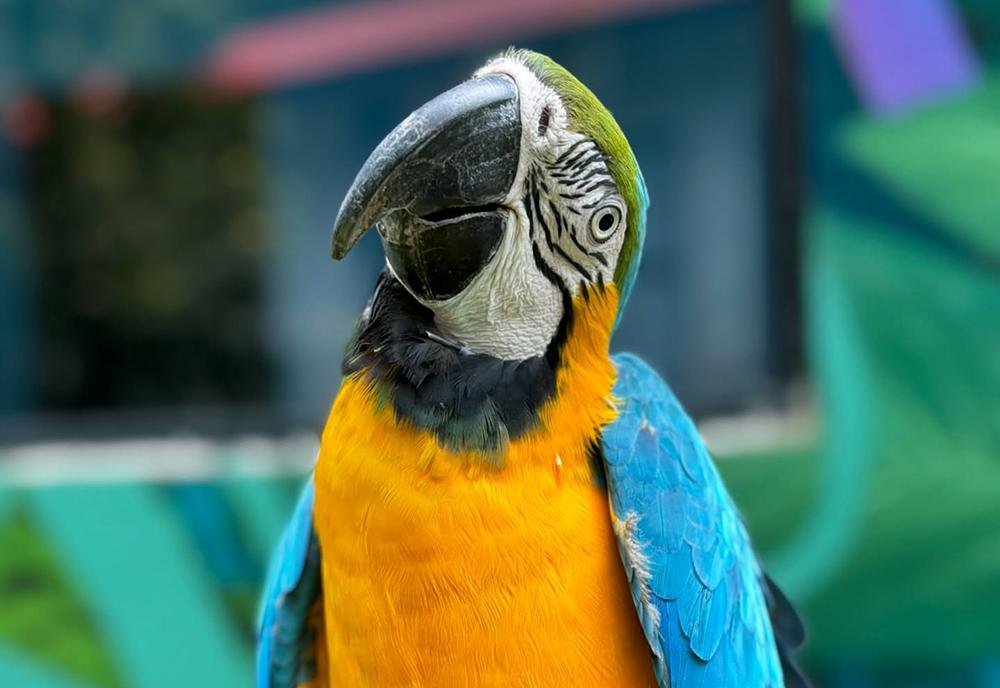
pixel 605 222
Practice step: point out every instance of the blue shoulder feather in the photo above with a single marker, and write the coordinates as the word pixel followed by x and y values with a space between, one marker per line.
pixel 285 653
pixel 695 580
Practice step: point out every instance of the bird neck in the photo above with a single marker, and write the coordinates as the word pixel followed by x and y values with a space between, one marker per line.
pixel 473 402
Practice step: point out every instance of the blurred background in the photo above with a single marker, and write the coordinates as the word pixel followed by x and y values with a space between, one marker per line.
pixel 821 286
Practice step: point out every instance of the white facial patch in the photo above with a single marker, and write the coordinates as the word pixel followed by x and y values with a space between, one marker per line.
pixel 565 228
pixel 510 310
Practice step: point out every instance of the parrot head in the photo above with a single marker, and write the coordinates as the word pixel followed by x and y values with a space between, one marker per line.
pixel 499 201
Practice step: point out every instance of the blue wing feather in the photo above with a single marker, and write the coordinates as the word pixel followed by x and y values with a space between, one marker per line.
pixel 691 567
pixel 285 655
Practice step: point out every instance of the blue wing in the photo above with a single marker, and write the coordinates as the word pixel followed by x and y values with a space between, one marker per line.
pixel 699 591
pixel 285 653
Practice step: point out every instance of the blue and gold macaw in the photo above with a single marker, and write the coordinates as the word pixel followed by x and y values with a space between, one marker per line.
pixel 497 500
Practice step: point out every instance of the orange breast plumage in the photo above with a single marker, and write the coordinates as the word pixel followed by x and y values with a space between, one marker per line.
pixel 443 568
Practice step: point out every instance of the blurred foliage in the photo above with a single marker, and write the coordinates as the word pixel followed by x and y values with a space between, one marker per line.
pixel 982 21
pixel 926 552
pixel 942 160
pixel 811 11
pixel 55 615
pixel 150 240
pixel 40 613
pixel 753 474
pixel 929 549
pixel 904 210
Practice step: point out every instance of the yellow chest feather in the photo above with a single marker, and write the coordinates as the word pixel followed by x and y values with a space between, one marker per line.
pixel 440 569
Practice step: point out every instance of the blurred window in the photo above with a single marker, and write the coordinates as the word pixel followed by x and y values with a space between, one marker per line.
pixel 149 242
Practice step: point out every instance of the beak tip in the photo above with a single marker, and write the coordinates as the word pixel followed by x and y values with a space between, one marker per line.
pixel 338 250
pixel 344 236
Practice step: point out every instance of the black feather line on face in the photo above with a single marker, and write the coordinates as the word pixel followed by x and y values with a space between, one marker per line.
pixel 530 200
pixel 579 268
pixel 596 171
pixel 581 164
pixel 569 151
pixel 600 183
pixel 575 160
pixel 563 225
pixel 599 201
pixel 553 354
pixel 537 218
pixel 582 249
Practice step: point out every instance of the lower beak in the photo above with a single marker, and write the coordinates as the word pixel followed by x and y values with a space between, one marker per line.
pixel 434 187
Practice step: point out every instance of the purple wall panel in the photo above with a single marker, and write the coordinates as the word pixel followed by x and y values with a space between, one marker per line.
pixel 903 53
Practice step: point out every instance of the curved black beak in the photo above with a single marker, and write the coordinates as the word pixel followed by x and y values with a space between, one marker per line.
pixel 434 187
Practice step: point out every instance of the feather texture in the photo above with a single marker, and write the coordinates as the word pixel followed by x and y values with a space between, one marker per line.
pixel 286 656
pixel 701 595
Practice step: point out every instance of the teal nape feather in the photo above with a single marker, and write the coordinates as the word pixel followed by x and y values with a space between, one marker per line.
pixel 588 116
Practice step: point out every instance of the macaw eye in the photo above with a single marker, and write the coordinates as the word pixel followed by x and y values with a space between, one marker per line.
pixel 604 222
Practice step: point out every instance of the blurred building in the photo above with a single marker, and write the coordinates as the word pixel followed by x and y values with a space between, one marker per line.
pixel 169 200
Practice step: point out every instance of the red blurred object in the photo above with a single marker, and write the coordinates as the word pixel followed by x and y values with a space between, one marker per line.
pixel 343 38
pixel 26 119
pixel 98 91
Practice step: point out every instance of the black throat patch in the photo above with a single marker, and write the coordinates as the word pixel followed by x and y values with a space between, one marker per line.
pixel 470 401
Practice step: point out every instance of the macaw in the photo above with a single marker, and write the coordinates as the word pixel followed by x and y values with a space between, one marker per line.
pixel 498 501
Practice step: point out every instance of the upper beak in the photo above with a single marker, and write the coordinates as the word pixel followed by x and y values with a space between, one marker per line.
pixel 434 185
